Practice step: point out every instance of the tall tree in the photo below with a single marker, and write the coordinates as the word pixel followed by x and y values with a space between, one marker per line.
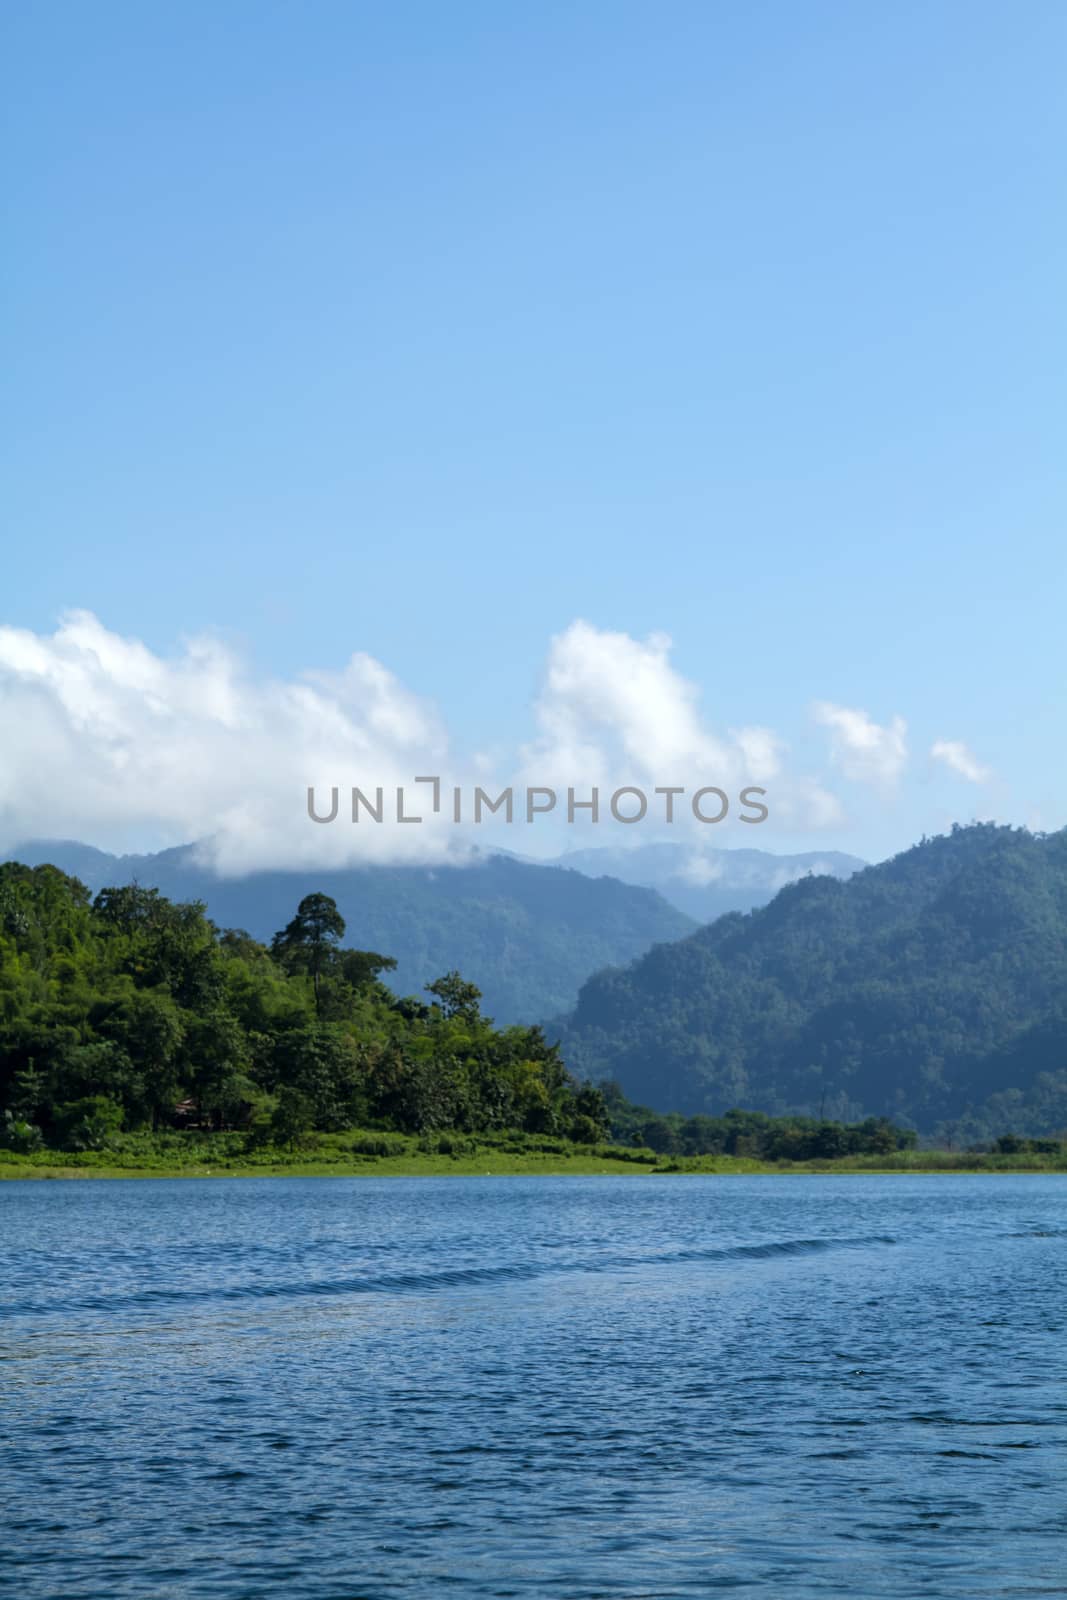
pixel 308 943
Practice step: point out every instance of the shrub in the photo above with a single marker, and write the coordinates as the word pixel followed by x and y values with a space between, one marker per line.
pixel 377 1144
pixel 20 1136
pixel 583 1130
pixel 88 1124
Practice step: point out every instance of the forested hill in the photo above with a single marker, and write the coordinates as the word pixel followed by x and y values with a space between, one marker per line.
pixel 930 988
pixel 128 1012
pixel 527 935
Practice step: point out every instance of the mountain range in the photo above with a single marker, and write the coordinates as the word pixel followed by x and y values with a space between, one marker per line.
pixel 707 884
pixel 931 988
pixel 528 933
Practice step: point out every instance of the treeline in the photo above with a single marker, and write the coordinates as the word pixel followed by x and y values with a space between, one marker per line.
pixel 752 1133
pixel 1013 1144
pixel 126 1012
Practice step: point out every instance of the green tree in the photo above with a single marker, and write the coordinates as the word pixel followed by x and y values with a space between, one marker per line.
pixel 292 1117
pixel 309 942
pixel 216 1048
pixel 362 968
pixel 321 1063
pixel 456 997
pixel 147 1026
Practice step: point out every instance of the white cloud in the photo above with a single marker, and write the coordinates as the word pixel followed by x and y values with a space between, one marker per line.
pixel 106 741
pixel 102 738
pixel 612 707
pixel 761 752
pixel 954 754
pixel 860 747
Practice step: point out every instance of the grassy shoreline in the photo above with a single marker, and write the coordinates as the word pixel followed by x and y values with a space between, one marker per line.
pixel 341 1156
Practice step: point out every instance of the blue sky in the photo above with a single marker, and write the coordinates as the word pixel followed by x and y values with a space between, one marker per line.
pixel 422 332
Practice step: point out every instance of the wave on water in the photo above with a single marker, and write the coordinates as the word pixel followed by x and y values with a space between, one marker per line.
pixel 422 1281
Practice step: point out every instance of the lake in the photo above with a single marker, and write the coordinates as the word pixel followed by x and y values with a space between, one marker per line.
pixel 583 1387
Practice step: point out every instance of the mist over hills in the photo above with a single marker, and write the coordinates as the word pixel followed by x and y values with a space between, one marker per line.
pixel 931 988
pixel 707 884
pixel 526 934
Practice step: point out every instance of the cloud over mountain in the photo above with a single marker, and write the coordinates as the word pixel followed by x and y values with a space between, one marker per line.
pixel 107 740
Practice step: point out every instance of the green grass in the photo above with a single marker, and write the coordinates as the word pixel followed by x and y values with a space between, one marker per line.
pixel 370 1154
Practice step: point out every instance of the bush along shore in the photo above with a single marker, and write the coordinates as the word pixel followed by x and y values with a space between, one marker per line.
pixel 376 1154
pixel 138 1038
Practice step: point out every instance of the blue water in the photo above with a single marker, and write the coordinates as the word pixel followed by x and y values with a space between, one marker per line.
pixel 576 1387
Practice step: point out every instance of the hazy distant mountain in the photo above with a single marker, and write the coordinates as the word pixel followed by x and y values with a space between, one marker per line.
pixel 932 987
pixel 528 935
pixel 709 884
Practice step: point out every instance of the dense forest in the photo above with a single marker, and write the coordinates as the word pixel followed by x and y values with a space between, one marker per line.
pixel 930 989
pixel 129 1011
pixel 527 935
